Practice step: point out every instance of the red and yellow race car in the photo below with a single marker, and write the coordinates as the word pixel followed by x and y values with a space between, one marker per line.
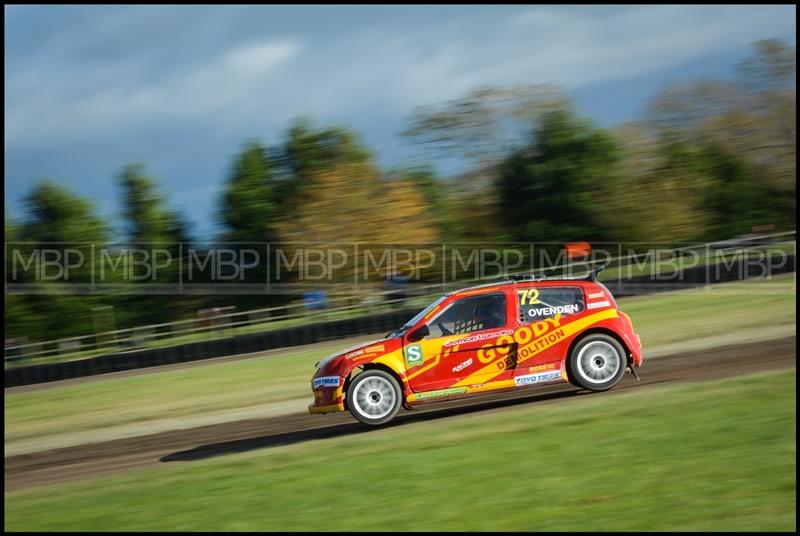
pixel 515 334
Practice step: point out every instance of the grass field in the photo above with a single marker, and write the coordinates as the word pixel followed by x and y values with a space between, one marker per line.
pixel 716 456
pixel 140 398
pixel 727 308
pixel 208 388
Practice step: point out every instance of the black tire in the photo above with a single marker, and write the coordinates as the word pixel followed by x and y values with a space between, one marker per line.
pixel 374 397
pixel 597 362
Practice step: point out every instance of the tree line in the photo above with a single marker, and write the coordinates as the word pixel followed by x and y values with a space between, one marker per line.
pixel 709 159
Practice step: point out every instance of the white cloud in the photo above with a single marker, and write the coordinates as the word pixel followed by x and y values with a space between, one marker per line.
pixel 579 48
pixel 65 91
pixel 43 108
pixel 572 48
pixel 261 57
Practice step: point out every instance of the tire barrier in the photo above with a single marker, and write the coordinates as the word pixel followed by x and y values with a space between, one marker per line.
pixel 241 344
pixel 700 276
pixel 339 329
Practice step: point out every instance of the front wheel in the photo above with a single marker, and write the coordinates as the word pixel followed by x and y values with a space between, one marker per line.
pixel 374 397
pixel 597 362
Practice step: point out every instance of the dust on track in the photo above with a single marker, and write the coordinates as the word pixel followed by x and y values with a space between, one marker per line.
pixel 182 446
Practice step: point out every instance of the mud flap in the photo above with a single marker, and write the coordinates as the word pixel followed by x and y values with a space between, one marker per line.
pixel 631 369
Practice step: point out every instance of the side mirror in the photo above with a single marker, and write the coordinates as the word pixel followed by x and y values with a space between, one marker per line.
pixel 419 334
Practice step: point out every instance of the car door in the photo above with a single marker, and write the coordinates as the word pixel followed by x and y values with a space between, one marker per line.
pixel 468 342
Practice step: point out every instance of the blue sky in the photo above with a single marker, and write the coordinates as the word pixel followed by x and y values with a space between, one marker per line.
pixel 91 88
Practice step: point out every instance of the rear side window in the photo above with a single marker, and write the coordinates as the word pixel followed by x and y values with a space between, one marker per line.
pixel 536 304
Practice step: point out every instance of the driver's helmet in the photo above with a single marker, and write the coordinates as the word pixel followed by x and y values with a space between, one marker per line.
pixel 488 312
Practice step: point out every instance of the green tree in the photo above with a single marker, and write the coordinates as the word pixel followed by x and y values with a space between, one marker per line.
pixel 671 189
pixel 477 131
pixel 146 217
pixel 484 124
pixel 20 319
pixel 308 151
pixel 658 193
pixel 751 117
pixel 250 202
pixel 56 221
pixel 736 198
pixel 250 209
pixel 437 193
pixel 155 234
pixel 342 196
pixel 771 67
pixel 547 190
pixel 56 215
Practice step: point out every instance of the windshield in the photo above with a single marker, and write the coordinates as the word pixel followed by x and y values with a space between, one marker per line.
pixel 416 318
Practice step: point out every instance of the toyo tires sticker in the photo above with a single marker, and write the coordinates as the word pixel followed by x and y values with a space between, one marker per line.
pixel 326 381
pixel 541 377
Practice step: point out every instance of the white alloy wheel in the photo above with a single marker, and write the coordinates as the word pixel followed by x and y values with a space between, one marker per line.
pixel 374 397
pixel 597 362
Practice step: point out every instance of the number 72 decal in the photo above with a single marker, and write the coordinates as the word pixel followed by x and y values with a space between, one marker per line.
pixel 528 297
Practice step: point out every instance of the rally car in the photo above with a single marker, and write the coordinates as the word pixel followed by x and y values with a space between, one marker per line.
pixel 519 333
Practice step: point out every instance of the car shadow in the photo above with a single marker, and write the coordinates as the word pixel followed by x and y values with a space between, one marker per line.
pixel 288 438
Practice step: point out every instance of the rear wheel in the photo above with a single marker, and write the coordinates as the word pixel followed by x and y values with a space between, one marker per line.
pixel 374 397
pixel 597 362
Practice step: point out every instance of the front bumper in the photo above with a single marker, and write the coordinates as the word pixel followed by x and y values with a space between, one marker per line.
pixel 327 399
pixel 331 408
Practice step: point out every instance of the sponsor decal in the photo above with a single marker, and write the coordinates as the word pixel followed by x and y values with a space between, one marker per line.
pixel 532 340
pixel 540 368
pixel 414 355
pixel 596 305
pixel 541 344
pixel 462 366
pixel 478 337
pixel 365 352
pixel 508 362
pixel 549 311
pixel 541 377
pixel 442 393
pixel 538 304
pixel 524 337
pixel 326 381
pixel 596 295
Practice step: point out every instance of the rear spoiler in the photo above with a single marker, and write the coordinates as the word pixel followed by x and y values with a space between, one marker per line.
pixel 594 273
pixel 533 277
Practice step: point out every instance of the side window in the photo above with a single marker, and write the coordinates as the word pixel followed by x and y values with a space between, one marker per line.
pixel 536 304
pixel 470 314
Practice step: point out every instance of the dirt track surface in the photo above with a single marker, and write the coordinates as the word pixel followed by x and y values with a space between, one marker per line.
pixel 184 446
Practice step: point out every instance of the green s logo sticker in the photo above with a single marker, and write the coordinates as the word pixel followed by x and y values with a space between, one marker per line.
pixel 414 355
